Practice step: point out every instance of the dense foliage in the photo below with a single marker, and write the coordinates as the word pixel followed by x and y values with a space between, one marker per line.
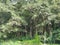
pixel 28 18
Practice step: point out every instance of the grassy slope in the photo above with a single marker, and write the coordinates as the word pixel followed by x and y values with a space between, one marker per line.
pixel 26 42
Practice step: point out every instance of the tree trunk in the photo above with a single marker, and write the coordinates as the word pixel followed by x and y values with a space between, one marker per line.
pixel 30 32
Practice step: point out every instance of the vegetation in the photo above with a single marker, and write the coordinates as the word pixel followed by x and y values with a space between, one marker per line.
pixel 30 22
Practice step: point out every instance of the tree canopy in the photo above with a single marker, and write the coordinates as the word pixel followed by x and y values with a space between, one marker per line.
pixel 30 17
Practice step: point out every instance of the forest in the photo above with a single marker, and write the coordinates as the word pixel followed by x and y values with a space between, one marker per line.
pixel 29 22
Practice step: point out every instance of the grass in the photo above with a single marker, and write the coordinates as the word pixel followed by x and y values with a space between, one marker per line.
pixel 35 41
pixel 25 42
pixel 17 42
pixel 10 42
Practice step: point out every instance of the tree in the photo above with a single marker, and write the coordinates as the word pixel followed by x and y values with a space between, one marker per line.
pixel 30 17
